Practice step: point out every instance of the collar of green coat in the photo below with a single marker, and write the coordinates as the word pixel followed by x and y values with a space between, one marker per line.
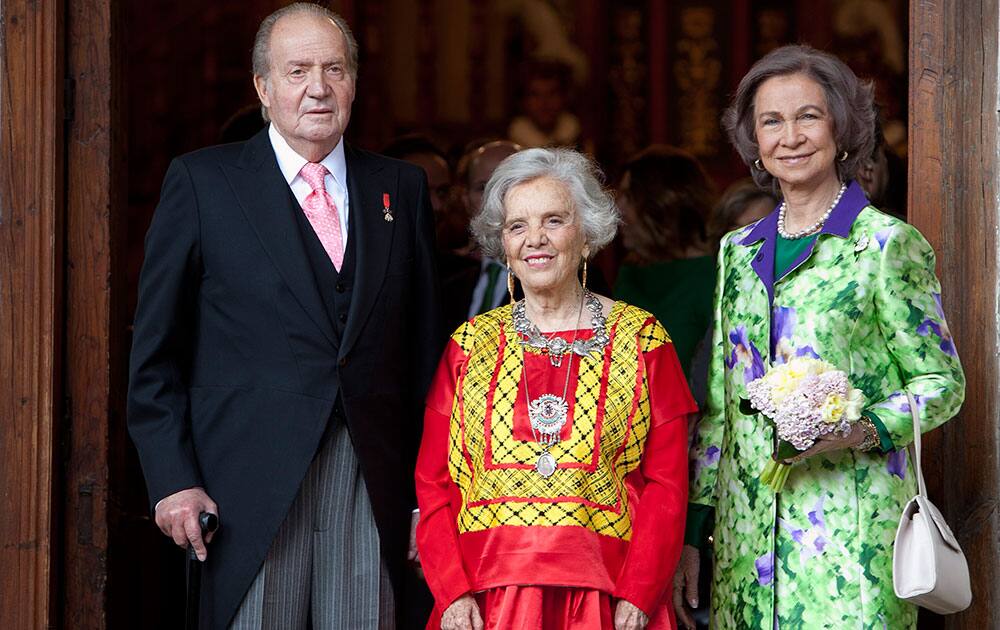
pixel 839 224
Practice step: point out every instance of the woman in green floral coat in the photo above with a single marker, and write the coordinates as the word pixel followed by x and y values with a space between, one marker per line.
pixel 825 275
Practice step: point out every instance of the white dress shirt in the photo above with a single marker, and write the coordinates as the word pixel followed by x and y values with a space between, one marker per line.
pixel 335 181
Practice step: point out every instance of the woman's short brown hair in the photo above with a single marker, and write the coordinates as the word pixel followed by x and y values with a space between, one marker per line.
pixel 850 101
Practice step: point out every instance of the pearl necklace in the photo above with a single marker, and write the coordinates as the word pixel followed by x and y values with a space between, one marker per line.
pixel 812 228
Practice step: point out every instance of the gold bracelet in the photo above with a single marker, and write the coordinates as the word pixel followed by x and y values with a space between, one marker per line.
pixel 872 439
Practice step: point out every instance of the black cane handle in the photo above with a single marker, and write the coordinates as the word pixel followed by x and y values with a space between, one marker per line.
pixel 209 523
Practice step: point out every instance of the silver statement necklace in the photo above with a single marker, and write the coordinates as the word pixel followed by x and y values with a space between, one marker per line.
pixel 815 227
pixel 549 413
pixel 555 346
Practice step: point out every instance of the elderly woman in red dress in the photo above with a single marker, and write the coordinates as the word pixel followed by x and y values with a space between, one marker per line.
pixel 552 473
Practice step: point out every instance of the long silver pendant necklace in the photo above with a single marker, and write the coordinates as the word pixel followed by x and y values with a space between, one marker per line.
pixel 549 413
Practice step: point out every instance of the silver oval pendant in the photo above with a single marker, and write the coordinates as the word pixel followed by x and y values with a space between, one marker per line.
pixel 546 464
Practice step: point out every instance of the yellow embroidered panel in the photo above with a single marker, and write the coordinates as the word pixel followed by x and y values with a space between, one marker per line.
pixel 495 472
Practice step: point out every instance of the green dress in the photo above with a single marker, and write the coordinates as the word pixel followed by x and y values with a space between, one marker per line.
pixel 678 293
pixel 865 298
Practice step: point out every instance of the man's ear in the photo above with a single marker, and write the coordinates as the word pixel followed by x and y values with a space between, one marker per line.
pixel 260 84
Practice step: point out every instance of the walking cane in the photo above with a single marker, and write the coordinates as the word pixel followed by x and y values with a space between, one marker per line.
pixel 209 523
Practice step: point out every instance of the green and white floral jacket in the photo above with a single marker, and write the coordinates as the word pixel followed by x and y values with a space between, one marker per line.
pixel 864 298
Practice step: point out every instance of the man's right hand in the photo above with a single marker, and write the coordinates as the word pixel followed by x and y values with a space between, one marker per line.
pixel 686 585
pixel 177 517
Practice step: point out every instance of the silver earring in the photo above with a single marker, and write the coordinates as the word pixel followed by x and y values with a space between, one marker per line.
pixel 758 165
pixel 843 157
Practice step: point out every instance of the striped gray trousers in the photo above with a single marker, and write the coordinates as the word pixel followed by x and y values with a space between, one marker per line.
pixel 323 570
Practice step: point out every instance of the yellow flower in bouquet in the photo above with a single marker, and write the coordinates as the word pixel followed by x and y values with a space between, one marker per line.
pixel 804 399
pixel 832 409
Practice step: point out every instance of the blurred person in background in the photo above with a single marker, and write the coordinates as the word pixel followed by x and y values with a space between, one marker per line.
pixel 451 228
pixel 546 120
pixel 743 203
pixel 665 196
pixel 740 205
pixel 479 283
pixel 883 177
pixel 475 168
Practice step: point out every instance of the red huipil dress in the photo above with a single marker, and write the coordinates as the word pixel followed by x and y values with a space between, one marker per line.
pixel 555 552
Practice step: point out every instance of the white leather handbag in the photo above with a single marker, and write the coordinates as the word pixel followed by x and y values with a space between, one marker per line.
pixel 928 566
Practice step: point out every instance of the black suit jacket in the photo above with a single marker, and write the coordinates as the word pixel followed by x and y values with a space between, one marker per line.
pixel 236 366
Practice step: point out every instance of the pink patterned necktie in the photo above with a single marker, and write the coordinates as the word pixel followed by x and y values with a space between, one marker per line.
pixel 322 213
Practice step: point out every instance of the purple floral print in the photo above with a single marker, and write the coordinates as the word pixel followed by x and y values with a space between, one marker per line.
pixel 710 458
pixel 712 454
pixel 816 515
pixel 939 328
pixel 765 569
pixel 813 540
pixel 882 236
pixel 744 352
pixel 898 402
pixel 896 463
pixel 783 323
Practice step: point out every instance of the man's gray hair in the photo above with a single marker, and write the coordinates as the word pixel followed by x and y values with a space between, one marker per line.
pixel 595 207
pixel 262 42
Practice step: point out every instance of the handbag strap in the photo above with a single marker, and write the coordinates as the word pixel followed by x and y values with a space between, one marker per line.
pixel 916 444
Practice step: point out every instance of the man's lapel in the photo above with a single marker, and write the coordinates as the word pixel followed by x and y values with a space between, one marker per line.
pixel 368 182
pixel 268 206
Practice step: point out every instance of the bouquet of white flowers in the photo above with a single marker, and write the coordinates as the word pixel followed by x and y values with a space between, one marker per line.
pixel 804 399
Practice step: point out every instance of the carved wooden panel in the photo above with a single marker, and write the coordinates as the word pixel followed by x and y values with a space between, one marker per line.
pixel 698 75
pixel 628 79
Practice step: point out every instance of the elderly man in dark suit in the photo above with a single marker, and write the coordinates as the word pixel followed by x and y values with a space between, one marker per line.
pixel 286 330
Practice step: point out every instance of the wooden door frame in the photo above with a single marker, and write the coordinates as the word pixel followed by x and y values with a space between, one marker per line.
pixel 61 381
pixel 31 228
pixel 94 442
pixel 954 197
